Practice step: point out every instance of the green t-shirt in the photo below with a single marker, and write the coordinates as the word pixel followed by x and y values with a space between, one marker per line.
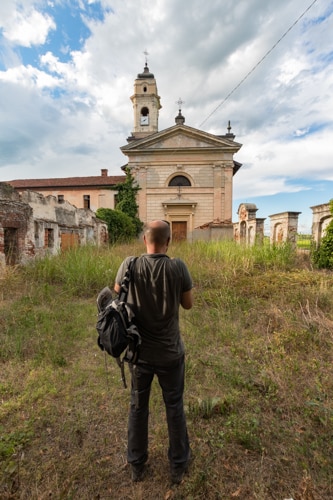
pixel 155 291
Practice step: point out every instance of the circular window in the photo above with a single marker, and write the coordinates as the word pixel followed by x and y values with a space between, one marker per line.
pixel 179 180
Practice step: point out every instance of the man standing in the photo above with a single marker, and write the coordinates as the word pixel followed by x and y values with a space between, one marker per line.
pixel 159 285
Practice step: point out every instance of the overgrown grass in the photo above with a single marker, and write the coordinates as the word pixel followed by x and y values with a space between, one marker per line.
pixel 80 271
pixel 259 380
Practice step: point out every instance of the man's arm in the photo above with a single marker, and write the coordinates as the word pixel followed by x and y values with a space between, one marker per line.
pixel 186 300
pixel 120 275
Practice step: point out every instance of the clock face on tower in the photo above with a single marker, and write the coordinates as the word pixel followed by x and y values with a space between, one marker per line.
pixel 144 120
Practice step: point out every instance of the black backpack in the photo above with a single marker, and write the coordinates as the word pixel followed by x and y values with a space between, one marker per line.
pixel 117 333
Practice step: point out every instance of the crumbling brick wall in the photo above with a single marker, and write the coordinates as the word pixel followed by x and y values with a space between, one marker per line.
pixel 33 225
pixel 15 219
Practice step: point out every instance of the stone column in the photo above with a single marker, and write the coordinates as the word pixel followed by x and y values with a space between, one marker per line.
pixel 140 175
pixel 228 175
pixel 217 189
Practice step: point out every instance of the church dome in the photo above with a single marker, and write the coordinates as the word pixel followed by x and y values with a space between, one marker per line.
pixel 146 73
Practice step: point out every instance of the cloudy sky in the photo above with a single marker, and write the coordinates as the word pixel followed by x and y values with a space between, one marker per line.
pixel 67 70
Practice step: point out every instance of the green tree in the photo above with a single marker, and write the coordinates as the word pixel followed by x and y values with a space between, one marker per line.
pixel 322 257
pixel 120 225
pixel 126 199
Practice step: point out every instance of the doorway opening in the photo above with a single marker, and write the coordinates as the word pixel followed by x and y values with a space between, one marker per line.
pixel 11 246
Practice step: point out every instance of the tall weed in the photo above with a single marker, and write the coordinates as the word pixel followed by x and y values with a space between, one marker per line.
pixel 81 271
pixel 259 372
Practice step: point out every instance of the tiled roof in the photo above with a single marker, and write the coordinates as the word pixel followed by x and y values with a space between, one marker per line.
pixel 68 182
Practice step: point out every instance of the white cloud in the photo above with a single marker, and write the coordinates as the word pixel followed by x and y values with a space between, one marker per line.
pixel 28 28
pixel 28 76
pixel 301 132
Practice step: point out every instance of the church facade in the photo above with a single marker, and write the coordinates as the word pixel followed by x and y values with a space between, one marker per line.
pixel 185 175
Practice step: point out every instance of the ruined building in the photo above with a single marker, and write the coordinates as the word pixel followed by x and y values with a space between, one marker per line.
pixel 32 225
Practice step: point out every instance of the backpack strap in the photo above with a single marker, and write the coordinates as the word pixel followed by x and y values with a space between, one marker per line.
pixel 124 287
pixel 123 293
pixel 121 364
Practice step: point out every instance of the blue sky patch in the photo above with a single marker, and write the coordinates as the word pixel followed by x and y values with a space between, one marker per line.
pixel 70 34
pixel 301 133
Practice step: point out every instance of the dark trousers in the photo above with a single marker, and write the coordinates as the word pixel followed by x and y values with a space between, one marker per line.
pixel 171 380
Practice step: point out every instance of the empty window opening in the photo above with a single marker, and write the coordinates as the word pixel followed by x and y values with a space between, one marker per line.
pixel 144 111
pixel 48 238
pixel 36 227
pixel 86 201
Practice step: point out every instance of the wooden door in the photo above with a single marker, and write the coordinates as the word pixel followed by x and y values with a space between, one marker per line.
pixel 179 230
pixel 69 240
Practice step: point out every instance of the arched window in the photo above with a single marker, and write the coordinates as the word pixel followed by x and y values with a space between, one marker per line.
pixel 179 180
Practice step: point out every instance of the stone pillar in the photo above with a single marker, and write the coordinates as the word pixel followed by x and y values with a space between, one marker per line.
pixel 228 175
pixel 217 210
pixel 140 175
pixel 284 227
pixel 321 217
pixel 260 230
pixel 249 230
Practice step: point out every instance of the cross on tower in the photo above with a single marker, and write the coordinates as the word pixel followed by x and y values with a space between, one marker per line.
pixel 180 102
pixel 146 53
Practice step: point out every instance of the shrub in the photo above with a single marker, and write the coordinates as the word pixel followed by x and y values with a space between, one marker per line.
pixel 126 200
pixel 121 227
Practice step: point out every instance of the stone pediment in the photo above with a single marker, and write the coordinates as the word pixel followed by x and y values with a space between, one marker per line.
pixel 179 201
pixel 181 137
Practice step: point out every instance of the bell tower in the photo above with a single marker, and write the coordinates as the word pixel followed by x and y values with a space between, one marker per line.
pixel 146 105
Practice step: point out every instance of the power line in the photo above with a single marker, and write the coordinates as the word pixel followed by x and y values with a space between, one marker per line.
pixel 259 62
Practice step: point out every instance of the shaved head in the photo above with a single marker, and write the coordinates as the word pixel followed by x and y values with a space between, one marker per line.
pixel 157 232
